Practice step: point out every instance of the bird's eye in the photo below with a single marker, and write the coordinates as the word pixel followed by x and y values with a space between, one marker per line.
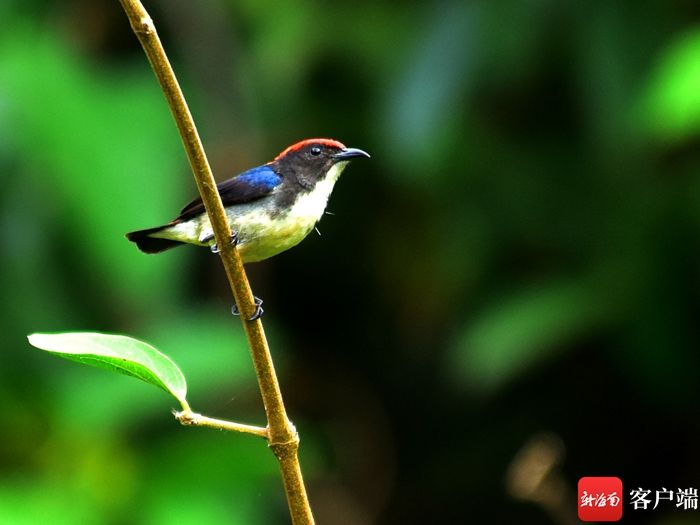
pixel 315 151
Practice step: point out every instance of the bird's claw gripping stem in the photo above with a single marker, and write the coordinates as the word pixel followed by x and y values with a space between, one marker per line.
pixel 234 241
pixel 258 309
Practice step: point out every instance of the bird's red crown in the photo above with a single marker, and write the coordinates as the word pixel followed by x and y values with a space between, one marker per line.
pixel 323 142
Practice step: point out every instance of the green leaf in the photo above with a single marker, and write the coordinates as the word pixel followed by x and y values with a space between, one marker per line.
pixel 118 353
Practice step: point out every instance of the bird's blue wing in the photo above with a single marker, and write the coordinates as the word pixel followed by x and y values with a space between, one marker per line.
pixel 248 186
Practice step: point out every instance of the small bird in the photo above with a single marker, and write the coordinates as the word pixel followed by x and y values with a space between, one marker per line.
pixel 271 208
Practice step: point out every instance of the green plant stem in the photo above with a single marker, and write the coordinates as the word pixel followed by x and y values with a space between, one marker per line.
pixel 189 418
pixel 282 436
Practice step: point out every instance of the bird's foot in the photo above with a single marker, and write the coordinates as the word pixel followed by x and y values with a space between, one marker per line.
pixel 215 248
pixel 258 309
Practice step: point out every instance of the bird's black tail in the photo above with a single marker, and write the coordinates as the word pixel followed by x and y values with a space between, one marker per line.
pixel 148 244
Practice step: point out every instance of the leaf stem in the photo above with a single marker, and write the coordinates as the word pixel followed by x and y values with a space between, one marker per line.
pixel 189 418
pixel 283 437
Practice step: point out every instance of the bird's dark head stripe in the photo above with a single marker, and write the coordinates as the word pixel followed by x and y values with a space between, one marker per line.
pixel 323 142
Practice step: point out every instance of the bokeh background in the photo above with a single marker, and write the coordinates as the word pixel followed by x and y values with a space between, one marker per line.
pixel 505 299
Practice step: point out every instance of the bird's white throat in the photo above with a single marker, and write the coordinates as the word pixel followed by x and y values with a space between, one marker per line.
pixel 310 206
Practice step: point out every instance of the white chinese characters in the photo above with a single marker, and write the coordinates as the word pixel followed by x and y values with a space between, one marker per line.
pixel 641 499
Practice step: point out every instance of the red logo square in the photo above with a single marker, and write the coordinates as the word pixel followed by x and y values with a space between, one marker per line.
pixel 600 499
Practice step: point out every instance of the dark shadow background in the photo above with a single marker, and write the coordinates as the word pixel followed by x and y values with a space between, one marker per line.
pixel 505 299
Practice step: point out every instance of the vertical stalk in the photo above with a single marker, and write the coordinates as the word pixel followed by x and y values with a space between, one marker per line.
pixel 282 436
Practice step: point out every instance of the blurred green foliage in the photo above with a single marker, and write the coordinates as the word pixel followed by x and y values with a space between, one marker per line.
pixel 520 254
pixel 670 106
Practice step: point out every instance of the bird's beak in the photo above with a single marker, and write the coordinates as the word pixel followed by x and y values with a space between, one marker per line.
pixel 350 153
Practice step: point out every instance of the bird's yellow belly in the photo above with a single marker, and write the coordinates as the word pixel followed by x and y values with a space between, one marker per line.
pixel 260 237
